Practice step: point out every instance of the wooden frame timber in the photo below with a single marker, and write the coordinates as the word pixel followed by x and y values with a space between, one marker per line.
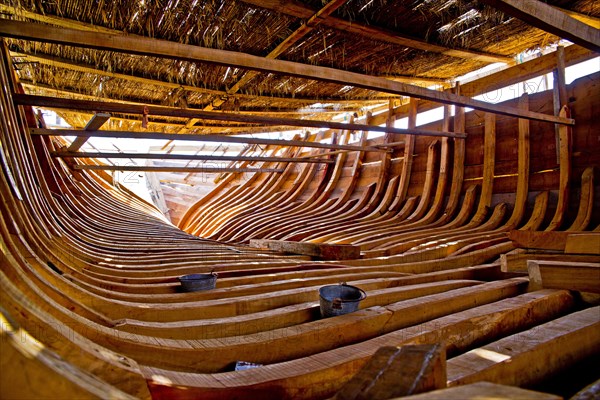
pixel 550 19
pixel 150 168
pixel 201 138
pixel 161 48
pixel 163 156
pixel 93 124
pixel 53 102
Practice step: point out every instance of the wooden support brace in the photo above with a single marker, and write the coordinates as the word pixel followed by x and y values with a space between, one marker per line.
pixel 483 390
pixel 527 358
pixel 93 125
pixel 395 372
pixel 543 240
pixel 152 168
pixel 582 277
pixel 583 243
pixel 516 260
pixel 321 250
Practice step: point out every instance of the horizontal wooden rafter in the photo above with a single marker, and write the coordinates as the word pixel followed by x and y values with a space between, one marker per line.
pixel 200 138
pixel 162 156
pixel 550 19
pixel 53 102
pixel 506 77
pixel 43 89
pixel 144 168
pixel 162 48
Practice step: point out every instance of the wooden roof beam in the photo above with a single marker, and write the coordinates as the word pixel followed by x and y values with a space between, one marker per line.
pixel 303 11
pixel 200 138
pixel 93 125
pixel 163 48
pixel 162 156
pixel 42 101
pixel 506 77
pixel 146 168
pixel 550 19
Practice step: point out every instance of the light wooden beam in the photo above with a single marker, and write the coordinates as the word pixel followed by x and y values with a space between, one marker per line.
pixel 586 19
pixel 162 156
pixel 38 88
pixel 93 125
pixel 324 251
pixel 303 11
pixel 550 19
pixel 163 48
pixel 506 77
pixel 53 102
pixel 200 138
pixel 147 168
pixel 582 277
pixel 397 372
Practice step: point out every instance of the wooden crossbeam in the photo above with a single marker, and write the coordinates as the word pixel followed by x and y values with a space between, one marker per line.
pixel 323 251
pixel 582 277
pixel 162 156
pixel 93 125
pixel 147 168
pixel 550 19
pixel 583 243
pixel 163 48
pixel 200 138
pixel 44 101
pixel 485 390
pixel 396 372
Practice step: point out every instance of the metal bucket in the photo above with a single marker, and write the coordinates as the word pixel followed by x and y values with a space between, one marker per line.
pixel 340 299
pixel 196 282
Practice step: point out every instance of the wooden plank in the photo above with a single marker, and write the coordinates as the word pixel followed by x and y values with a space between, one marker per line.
pixel 200 138
pixel 525 358
pixel 162 48
pixel 582 277
pixel 322 250
pixel 203 157
pixel 303 11
pixel 550 19
pixel 152 168
pixel 516 260
pixel 544 240
pixel 483 390
pixel 583 243
pixel 395 372
pixel 53 102
pixel 93 124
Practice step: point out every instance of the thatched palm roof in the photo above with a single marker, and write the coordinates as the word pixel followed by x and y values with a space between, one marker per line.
pixel 362 36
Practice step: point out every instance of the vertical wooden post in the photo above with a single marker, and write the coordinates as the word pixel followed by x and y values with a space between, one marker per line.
pixel 409 148
pixel 564 135
pixel 559 92
pixel 489 161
